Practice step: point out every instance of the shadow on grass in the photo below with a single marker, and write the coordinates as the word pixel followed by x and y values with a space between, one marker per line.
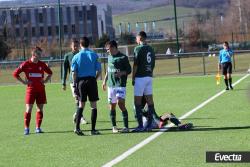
pixel 172 129
pixel 108 121
pixel 199 128
pixel 197 118
pixel 235 89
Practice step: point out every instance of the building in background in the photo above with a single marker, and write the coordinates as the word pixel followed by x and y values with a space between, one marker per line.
pixel 105 21
pixel 30 23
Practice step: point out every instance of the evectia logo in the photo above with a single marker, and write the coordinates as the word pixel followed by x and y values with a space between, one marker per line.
pixel 223 157
pixel 113 70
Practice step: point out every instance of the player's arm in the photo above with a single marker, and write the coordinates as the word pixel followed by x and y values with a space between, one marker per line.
pixel 49 72
pixel 25 82
pixel 153 61
pixel 48 78
pixel 98 68
pixel 127 66
pixel 134 68
pixel 16 74
pixel 74 76
pixel 66 68
pixel 74 69
pixel 75 87
pixel 133 73
pixel 219 62
pixel 105 81
pixel 231 53
pixel 219 67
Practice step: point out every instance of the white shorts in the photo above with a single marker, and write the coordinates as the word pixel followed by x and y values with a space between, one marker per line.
pixel 143 86
pixel 115 93
pixel 72 90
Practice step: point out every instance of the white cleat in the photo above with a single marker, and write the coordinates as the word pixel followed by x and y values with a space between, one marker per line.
pixel 84 121
pixel 115 130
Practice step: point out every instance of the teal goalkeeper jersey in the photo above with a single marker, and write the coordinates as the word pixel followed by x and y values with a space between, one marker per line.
pixel 118 63
pixel 144 58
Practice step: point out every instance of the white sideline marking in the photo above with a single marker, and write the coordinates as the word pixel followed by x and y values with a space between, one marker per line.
pixel 155 135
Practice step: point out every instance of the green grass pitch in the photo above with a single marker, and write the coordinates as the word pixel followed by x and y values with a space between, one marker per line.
pixel 222 125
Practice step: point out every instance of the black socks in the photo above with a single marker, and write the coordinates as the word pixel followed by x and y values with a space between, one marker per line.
pixel 78 117
pixel 138 112
pixel 113 117
pixel 93 118
pixel 226 82
pixel 125 118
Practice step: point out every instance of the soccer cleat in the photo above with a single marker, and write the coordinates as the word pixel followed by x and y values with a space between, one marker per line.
pixel 186 126
pixel 124 130
pixel 38 130
pixel 138 129
pixel 83 121
pixel 26 131
pixel 94 132
pixel 231 87
pixel 78 132
pixel 172 115
pixel 115 130
pixel 227 88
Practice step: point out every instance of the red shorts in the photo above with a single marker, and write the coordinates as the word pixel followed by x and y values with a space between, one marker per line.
pixel 38 96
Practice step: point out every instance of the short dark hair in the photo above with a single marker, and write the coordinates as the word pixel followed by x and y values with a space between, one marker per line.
pixel 142 34
pixel 37 48
pixel 74 40
pixel 111 43
pixel 84 41
pixel 226 43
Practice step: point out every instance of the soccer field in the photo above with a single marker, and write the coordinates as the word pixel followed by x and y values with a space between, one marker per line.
pixel 221 125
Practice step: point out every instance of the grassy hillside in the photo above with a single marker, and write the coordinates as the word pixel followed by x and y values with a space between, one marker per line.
pixel 154 14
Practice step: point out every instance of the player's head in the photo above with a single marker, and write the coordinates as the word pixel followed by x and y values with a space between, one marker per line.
pixel 225 45
pixel 36 53
pixel 111 47
pixel 141 37
pixel 84 42
pixel 74 45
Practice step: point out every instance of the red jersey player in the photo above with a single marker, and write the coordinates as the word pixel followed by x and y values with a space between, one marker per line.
pixel 34 79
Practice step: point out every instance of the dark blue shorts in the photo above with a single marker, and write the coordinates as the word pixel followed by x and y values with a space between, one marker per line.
pixel 226 68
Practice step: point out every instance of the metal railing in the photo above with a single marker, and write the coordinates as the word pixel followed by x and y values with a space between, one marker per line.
pixel 193 63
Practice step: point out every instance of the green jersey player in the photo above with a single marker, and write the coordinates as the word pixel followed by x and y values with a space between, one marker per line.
pixel 162 120
pixel 66 70
pixel 144 63
pixel 116 77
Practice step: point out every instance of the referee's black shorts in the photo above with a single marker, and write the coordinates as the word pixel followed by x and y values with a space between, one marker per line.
pixel 226 68
pixel 87 87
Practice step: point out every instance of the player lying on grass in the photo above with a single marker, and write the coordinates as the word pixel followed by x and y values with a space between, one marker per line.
pixel 161 121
